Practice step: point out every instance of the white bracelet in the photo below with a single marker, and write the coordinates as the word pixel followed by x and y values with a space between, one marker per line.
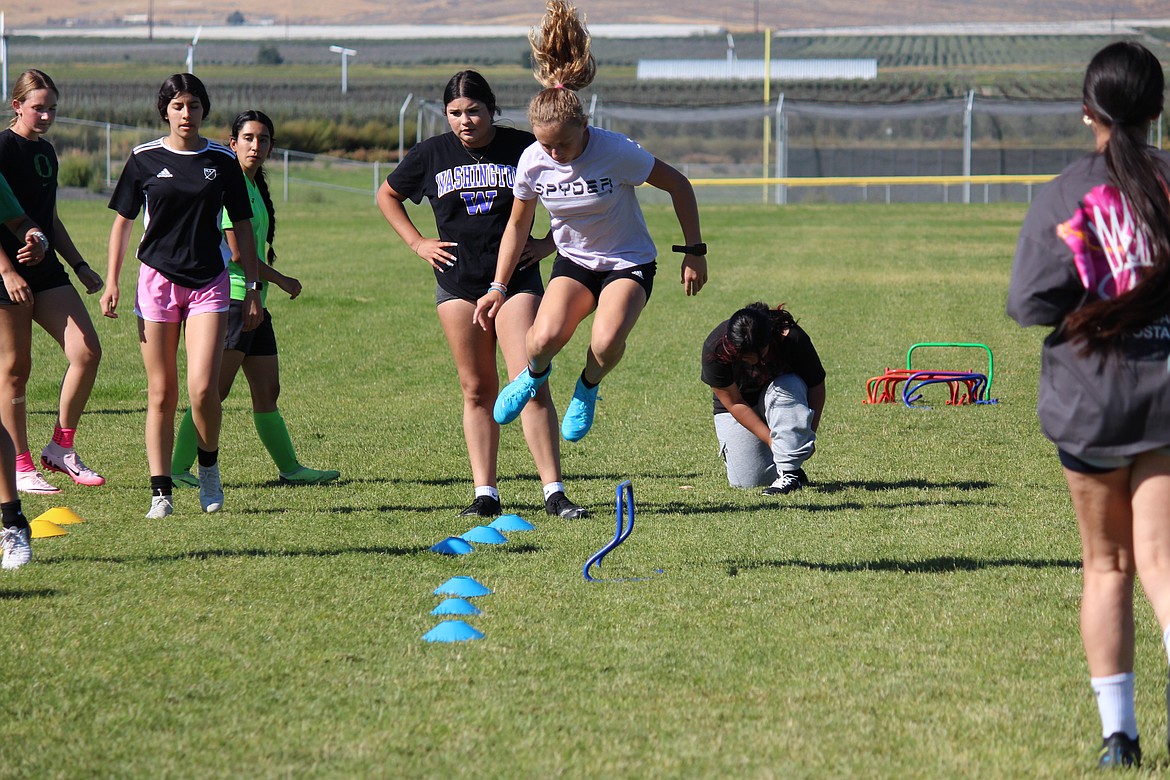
pixel 499 287
pixel 42 239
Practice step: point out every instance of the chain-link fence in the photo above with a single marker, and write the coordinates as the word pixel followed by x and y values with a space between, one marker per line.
pixel 959 150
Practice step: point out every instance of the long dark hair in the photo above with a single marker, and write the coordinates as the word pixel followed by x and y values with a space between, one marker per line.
pixel 471 85
pixel 1124 91
pixel 262 178
pixel 751 329
pixel 182 82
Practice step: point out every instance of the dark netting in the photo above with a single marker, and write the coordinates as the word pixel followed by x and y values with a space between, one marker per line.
pixel 865 140
pixel 806 139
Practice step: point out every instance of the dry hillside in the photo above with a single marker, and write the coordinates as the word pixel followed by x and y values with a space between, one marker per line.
pixel 736 15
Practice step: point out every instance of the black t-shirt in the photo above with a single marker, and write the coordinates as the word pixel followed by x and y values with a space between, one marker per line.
pixel 792 353
pixel 30 167
pixel 470 191
pixel 184 194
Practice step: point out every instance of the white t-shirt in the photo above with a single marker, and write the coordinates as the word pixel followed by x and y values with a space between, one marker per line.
pixel 596 221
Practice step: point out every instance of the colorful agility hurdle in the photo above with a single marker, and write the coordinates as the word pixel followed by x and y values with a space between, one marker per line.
pixel 966 387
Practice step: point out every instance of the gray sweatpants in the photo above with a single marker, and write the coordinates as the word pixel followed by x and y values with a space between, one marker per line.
pixel 784 406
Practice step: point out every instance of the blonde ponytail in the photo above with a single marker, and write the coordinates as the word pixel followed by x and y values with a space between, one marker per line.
pixel 562 63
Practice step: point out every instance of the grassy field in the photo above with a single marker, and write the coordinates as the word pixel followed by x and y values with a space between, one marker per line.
pixel 913 615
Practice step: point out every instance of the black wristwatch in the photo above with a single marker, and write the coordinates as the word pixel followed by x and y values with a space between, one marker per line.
pixel 699 249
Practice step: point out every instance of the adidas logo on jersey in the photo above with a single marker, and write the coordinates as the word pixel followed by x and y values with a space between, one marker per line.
pixel 164 174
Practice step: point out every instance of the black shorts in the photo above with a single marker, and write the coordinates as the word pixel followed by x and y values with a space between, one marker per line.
pixel 596 281
pixel 1099 465
pixel 524 281
pixel 442 296
pixel 1073 463
pixel 259 342
pixel 38 283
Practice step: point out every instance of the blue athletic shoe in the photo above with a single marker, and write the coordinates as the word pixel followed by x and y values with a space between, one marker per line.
pixel 579 416
pixel 511 400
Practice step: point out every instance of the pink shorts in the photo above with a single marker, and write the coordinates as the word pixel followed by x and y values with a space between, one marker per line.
pixel 158 299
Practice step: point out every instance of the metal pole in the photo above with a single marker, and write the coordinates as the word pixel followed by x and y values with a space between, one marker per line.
pixel 967 144
pixel 401 129
pixel 345 55
pixel 781 150
pixel 286 175
pixel 767 100
pixel 109 162
pixel 4 54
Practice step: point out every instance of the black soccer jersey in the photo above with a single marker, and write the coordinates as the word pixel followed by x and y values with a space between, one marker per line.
pixel 30 167
pixel 184 194
pixel 471 194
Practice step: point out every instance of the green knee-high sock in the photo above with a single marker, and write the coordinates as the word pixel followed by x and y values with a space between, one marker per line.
pixel 274 435
pixel 185 445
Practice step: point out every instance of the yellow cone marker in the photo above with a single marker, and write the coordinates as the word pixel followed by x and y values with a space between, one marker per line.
pixel 61 516
pixel 43 528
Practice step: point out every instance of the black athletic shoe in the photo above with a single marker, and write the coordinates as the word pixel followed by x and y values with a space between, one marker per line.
pixel 559 505
pixel 787 482
pixel 1119 752
pixel 483 506
pixel 804 480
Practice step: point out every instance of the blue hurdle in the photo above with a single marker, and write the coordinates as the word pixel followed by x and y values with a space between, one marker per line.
pixel 624 510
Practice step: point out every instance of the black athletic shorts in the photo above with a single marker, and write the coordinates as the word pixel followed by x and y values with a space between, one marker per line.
pixel 38 283
pixel 1098 465
pixel 442 296
pixel 526 280
pixel 596 281
pixel 259 342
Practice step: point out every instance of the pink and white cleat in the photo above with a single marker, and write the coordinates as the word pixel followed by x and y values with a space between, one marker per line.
pixel 55 458
pixel 34 482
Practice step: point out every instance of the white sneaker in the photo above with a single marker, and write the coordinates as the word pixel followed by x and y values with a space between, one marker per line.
pixel 34 482
pixel 210 489
pixel 55 458
pixel 160 507
pixel 17 546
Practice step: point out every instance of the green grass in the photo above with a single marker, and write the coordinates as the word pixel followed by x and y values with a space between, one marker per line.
pixel 914 615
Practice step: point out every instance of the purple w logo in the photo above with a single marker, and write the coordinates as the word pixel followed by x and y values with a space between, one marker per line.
pixel 478 202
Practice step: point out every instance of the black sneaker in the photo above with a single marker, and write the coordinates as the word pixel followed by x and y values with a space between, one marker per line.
pixel 483 506
pixel 787 482
pixel 559 505
pixel 1119 752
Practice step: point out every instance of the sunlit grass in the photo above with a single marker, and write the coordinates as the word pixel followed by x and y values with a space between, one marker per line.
pixel 912 615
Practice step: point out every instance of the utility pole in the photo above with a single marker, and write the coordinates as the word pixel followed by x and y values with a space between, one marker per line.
pixel 345 55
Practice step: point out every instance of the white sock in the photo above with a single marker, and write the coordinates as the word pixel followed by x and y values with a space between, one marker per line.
pixel 487 490
pixel 1166 642
pixel 1115 704
pixel 553 487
